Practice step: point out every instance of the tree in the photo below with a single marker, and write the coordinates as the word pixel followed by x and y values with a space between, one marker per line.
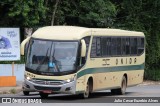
pixel 89 13
pixel 143 15
pixel 54 12
pixel 27 13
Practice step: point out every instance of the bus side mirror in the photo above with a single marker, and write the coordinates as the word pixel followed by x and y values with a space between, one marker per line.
pixel 83 48
pixel 23 45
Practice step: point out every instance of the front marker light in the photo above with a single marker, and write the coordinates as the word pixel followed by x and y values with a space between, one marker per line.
pixel 28 78
pixel 68 80
pixel 71 79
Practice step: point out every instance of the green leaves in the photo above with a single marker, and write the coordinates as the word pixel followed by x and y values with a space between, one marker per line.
pixel 143 15
pixel 96 13
pixel 27 12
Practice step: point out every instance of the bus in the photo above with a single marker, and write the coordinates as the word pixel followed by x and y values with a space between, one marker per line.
pixel 79 60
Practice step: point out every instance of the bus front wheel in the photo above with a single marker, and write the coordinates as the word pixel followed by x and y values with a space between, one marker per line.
pixel 88 89
pixel 26 93
pixel 43 95
pixel 86 92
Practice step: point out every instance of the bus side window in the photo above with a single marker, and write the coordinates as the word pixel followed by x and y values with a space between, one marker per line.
pixel 128 46
pixel 133 45
pixel 96 47
pixel 106 46
pixel 140 46
pixel 123 46
pixel 119 46
pixel 114 46
pixel 93 48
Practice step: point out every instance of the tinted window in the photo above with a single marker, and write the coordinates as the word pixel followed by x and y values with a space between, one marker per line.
pixel 123 46
pixel 119 46
pixel 140 46
pixel 133 45
pixel 127 46
pixel 106 46
pixel 114 46
pixel 93 49
pixel 96 47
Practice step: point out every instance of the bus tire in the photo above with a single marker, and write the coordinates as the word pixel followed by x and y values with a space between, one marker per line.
pixel 88 90
pixel 122 90
pixel 26 93
pixel 43 95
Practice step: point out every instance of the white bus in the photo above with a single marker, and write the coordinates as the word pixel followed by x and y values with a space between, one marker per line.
pixel 78 60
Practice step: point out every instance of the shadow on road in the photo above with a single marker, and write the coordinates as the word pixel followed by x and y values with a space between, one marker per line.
pixel 79 97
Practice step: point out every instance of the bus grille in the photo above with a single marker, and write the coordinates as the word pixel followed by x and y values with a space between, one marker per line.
pixel 43 82
pixel 47 88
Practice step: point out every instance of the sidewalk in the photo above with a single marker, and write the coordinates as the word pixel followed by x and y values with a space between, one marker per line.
pixel 148 82
pixel 12 90
pixel 18 88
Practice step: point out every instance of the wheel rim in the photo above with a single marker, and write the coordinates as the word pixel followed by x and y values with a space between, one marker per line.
pixel 86 93
pixel 123 86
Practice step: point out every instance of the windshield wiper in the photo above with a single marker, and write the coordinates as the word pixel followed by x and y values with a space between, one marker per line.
pixel 53 61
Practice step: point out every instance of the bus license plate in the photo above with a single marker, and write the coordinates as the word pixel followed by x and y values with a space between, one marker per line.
pixel 47 91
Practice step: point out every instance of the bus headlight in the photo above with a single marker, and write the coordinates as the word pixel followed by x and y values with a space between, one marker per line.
pixel 71 79
pixel 27 77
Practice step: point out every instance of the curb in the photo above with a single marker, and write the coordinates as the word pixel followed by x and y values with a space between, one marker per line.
pixel 150 83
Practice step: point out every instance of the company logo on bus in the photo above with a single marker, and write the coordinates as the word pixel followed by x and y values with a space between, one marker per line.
pixel 47 82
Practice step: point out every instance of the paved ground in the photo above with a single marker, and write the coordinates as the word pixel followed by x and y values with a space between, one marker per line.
pixel 18 88
pixel 146 89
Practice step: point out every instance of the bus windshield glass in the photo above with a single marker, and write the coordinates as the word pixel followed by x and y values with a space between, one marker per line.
pixel 47 57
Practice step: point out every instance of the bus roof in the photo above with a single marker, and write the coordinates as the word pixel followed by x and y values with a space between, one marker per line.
pixel 75 33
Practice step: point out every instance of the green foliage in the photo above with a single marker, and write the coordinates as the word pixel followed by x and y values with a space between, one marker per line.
pixel 153 74
pixel 13 91
pixel 96 13
pixel 143 15
pixel 27 12
pixel 88 13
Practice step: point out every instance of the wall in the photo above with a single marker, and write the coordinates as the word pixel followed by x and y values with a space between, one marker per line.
pixel 6 70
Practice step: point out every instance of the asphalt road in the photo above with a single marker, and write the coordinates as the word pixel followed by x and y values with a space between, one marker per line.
pixel 97 97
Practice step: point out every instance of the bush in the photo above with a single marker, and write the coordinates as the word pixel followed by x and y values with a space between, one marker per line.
pixel 13 91
pixel 152 74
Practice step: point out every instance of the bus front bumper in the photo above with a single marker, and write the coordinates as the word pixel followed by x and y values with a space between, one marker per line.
pixel 68 88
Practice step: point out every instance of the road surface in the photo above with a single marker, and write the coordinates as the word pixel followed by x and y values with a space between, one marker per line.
pixel 97 97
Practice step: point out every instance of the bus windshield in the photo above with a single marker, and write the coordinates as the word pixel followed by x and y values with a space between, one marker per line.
pixel 47 57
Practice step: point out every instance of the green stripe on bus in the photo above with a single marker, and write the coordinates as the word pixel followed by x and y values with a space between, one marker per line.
pixel 110 69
